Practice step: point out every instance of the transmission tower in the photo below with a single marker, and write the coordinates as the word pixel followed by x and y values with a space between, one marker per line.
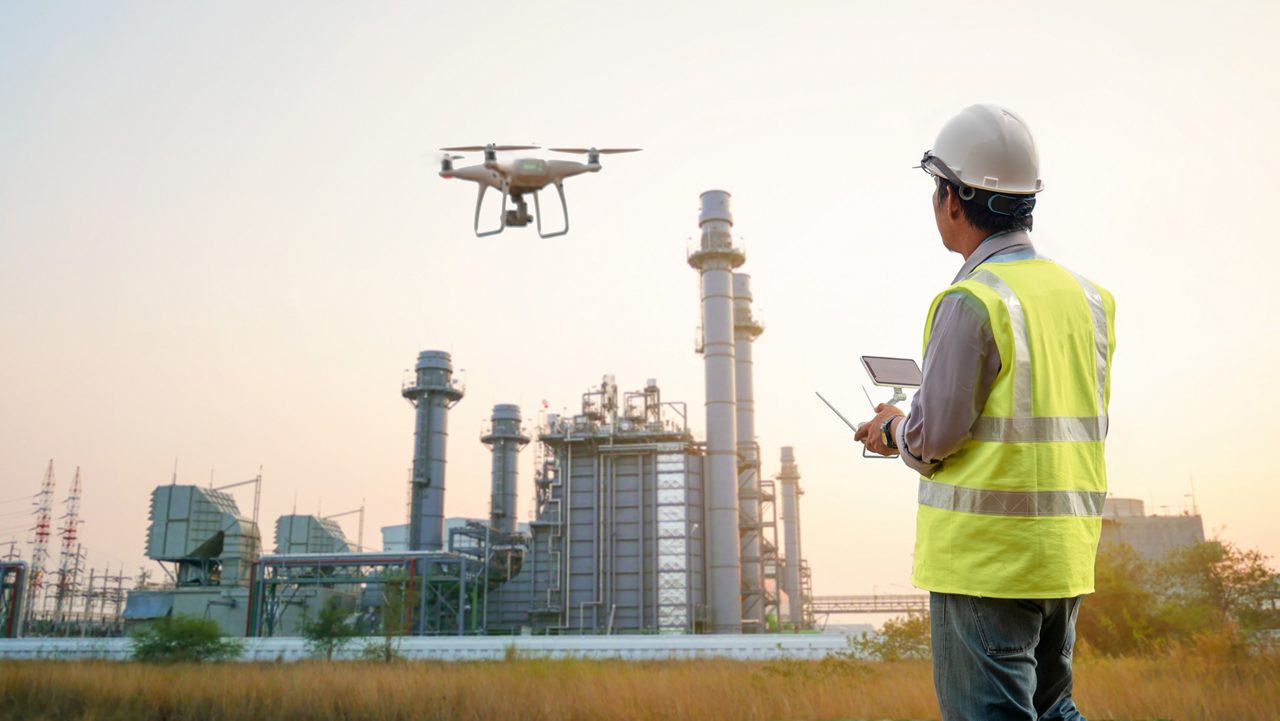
pixel 69 569
pixel 40 540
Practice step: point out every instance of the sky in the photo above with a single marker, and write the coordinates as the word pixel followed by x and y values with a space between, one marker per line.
pixel 223 239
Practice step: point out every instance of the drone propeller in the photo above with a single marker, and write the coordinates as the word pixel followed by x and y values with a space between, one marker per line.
pixel 445 160
pixel 490 146
pixel 595 151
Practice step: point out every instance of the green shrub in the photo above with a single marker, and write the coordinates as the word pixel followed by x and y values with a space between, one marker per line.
pixel 183 638
pixel 330 630
pixel 900 639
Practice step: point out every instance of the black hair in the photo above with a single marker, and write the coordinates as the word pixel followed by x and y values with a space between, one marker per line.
pixel 977 210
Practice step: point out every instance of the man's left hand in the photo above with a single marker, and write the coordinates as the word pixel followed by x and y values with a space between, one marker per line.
pixel 869 434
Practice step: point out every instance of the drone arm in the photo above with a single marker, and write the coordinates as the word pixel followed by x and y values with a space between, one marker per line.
pixel 564 206
pixel 561 169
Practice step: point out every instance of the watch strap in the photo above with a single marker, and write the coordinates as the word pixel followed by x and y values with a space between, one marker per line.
pixel 886 432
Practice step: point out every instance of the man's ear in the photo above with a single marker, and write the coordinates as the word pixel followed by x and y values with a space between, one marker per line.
pixel 954 211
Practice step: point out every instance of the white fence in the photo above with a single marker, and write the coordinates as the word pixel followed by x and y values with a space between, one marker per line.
pixel 479 648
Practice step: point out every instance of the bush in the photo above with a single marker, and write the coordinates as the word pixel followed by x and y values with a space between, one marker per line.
pixel 900 639
pixel 182 638
pixel 385 651
pixel 330 630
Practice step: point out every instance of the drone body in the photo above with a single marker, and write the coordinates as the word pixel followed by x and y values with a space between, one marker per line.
pixel 521 177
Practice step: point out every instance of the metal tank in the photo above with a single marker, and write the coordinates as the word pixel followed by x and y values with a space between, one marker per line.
pixel 715 259
pixel 505 441
pixel 745 330
pixel 432 392
pixel 789 479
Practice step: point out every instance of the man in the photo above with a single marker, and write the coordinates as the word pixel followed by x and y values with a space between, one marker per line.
pixel 1007 433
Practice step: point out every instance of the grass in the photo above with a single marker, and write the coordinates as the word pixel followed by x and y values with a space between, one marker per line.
pixel 1176 686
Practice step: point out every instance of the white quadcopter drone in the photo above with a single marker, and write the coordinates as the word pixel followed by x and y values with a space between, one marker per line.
pixel 515 179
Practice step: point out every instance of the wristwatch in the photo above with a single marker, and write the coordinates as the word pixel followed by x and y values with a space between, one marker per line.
pixel 886 433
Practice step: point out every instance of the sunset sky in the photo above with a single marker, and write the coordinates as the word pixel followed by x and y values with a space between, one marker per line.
pixel 223 239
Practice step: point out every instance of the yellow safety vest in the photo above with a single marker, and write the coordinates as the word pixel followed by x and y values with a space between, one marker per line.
pixel 1016 512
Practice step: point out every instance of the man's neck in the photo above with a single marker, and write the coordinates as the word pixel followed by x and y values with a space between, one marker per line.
pixel 968 244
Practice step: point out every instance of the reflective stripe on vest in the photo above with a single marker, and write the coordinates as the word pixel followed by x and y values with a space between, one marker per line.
pixel 1040 430
pixel 1010 503
pixel 1099 311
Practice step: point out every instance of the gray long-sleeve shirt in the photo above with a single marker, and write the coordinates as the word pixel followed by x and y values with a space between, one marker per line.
pixel 960 365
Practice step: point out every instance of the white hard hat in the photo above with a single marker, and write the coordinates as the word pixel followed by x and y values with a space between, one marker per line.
pixel 987 147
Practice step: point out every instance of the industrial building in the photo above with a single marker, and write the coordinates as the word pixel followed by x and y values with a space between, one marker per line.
pixel 638 526
pixel 1124 521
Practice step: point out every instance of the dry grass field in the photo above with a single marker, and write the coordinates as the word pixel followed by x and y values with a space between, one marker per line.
pixel 1174 687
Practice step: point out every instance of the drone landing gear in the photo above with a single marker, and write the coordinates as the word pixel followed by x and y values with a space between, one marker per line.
pixel 502 218
pixel 537 208
pixel 519 216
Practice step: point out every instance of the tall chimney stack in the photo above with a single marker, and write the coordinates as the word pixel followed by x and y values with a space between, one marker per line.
pixel 432 392
pixel 715 259
pixel 789 478
pixel 505 440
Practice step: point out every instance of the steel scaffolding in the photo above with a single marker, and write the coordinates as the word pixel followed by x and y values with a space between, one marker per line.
pixel 427 593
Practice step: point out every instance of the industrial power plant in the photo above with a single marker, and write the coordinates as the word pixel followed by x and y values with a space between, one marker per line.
pixel 638 526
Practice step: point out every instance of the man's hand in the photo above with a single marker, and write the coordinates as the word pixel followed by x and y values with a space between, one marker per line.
pixel 869 433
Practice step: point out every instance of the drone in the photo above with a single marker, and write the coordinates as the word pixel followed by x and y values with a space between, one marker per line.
pixel 519 178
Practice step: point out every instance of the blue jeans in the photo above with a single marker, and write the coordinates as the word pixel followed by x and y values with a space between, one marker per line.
pixel 997 659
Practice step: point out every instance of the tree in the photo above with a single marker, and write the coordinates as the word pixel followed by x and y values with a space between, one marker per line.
pixel 1215 583
pixel 1120 616
pixel 900 639
pixel 1212 589
pixel 397 598
pixel 182 638
pixel 330 630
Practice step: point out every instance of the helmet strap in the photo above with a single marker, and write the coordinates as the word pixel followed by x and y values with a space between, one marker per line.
pixel 1011 205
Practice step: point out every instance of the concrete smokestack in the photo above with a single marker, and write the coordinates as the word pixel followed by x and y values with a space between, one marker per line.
pixel 433 392
pixel 789 478
pixel 745 330
pixel 716 258
pixel 505 440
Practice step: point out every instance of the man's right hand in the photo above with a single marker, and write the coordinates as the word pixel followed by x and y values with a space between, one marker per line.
pixel 869 433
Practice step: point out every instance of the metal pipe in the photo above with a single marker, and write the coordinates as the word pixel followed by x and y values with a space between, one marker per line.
pixel 715 259
pixel 789 479
pixel 640 594
pixel 505 441
pixel 566 512
pixel 433 392
pixel 745 330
